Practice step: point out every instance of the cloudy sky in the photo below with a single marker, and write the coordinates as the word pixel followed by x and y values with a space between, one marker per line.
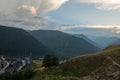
pixel 64 15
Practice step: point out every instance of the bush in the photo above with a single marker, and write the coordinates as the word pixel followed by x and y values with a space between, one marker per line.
pixel 28 73
pixel 18 76
pixel 50 60
pixel 6 76
pixel 24 74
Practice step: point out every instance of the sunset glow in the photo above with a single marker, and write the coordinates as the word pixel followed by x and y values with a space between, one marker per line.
pixel 103 26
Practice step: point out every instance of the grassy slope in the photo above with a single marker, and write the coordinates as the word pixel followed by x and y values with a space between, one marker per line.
pixel 84 65
pixel 78 67
pixel 54 73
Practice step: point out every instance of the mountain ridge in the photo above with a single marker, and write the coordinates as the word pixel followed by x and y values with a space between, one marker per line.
pixel 87 39
pixel 63 43
pixel 18 42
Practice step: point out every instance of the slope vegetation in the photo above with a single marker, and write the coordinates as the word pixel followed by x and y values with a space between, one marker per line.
pixel 104 64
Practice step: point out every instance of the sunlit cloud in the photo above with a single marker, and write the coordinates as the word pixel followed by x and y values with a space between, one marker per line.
pixel 67 26
pixel 113 28
pixel 103 4
pixel 27 13
pixel 90 26
pixel 103 26
pixel 116 30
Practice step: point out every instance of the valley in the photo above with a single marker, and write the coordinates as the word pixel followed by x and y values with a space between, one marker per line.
pixel 80 57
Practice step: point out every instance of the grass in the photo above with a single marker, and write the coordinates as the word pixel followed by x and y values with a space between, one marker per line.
pixel 37 63
pixel 78 67
pixel 53 73
pixel 84 65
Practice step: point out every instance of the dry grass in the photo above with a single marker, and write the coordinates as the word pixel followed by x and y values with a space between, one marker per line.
pixel 84 65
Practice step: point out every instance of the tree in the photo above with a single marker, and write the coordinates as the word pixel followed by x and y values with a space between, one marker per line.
pixel 50 60
pixel 6 76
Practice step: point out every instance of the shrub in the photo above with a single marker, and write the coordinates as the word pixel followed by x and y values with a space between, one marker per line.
pixel 24 74
pixel 6 76
pixel 50 60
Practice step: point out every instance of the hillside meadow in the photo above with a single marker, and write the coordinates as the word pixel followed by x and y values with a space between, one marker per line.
pixel 79 67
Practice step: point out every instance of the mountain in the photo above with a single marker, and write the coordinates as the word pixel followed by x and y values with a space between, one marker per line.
pixel 64 44
pixel 18 42
pixel 87 39
pixel 103 41
pixel 116 42
pixel 104 65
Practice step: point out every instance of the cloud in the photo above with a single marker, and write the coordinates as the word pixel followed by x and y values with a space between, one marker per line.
pixel 94 30
pixel 49 5
pixel 89 26
pixel 24 13
pixel 116 30
pixel 103 4
pixel 113 29
pixel 67 26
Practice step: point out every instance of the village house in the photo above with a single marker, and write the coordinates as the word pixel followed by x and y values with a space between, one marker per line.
pixel 13 64
pixel 3 62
